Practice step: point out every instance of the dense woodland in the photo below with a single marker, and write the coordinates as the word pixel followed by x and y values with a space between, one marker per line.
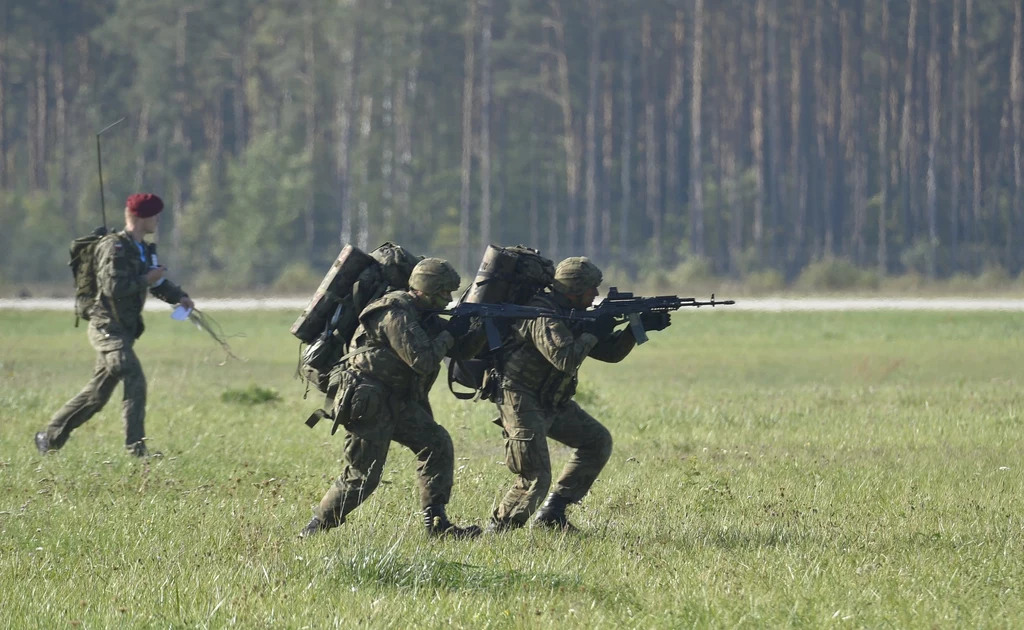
pixel 743 135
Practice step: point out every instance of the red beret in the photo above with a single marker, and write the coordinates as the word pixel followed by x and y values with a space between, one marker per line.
pixel 144 205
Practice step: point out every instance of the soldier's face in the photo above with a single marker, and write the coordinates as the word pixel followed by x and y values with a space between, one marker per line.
pixel 149 225
pixel 437 300
pixel 583 300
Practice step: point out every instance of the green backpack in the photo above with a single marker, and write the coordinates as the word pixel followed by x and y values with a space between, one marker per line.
pixel 83 269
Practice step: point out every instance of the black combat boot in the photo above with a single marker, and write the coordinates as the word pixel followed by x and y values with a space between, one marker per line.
pixel 552 514
pixel 42 443
pixel 438 524
pixel 496 526
pixel 317 525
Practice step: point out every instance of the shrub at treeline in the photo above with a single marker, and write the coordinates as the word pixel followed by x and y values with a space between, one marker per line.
pixel 749 138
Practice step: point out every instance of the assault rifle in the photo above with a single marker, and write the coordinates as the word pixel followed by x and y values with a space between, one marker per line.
pixel 626 307
pixel 487 313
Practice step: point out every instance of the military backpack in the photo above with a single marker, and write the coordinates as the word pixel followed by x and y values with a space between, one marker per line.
pixel 83 269
pixel 332 316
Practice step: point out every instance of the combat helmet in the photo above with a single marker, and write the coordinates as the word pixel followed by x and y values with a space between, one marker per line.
pixel 575 275
pixel 434 276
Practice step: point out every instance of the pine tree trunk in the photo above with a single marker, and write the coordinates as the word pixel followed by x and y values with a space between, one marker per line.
pixel 696 169
pixel 365 133
pixel 344 113
pixel 797 160
pixel 61 124
pixel 405 99
pixel 733 114
pixel 534 219
pixel 626 160
pixel 956 165
pixel 570 140
pixel 608 159
pixel 387 108
pixel 42 109
pixel 3 95
pixel 310 114
pixel 851 128
pixel 1017 125
pixel 469 72
pixel 757 128
pixel 883 146
pixel 907 161
pixel 776 203
pixel 972 128
pixel 590 189
pixel 821 107
pixel 652 206
pixel 934 122
pixel 140 153
pixel 486 19
pixel 673 118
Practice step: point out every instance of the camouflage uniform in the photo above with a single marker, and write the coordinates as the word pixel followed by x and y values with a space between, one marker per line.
pixel 115 322
pixel 540 365
pixel 396 352
pixel 540 377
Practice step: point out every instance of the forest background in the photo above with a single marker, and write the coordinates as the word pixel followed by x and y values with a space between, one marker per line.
pixel 767 143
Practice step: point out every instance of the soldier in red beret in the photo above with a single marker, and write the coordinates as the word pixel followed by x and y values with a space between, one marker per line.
pixel 126 271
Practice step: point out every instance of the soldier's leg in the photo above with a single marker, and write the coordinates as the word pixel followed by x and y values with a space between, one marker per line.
pixel 83 406
pixel 524 425
pixel 124 363
pixel 592 446
pixel 416 429
pixel 367 440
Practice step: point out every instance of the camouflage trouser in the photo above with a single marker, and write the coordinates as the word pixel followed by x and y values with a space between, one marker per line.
pixel 367 440
pixel 112 366
pixel 527 425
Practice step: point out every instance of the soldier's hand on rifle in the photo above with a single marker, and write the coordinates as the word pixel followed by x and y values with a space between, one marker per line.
pixel 154 275
pixel 459 326
pixel 602 327
pixel 655 321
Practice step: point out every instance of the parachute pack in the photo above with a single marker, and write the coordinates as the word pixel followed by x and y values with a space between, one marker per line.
pixel 83 269
pixel 332 315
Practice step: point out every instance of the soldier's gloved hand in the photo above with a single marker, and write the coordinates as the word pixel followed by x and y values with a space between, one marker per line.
pixel 459 326
pixel 655 321
pixel 602 327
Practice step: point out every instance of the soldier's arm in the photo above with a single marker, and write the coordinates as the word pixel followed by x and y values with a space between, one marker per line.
pixel 411 342
pixel 557 344
pixel 615 348
pixel 168 292
pixel 115 270
pixel 470 344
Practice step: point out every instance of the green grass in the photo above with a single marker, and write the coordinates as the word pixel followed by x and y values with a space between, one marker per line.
pixel 804 470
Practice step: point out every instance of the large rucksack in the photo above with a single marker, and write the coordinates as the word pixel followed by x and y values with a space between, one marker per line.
pixel 510 275
pixel 83 269
pixel 332 316
pixel 507 275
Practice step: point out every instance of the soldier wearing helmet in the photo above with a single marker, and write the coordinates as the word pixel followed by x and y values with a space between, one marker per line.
pixel 541 362
pixel 393 360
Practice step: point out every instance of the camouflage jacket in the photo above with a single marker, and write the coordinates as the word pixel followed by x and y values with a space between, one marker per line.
pixel 116 317
pixel 544 355
pixel 402 346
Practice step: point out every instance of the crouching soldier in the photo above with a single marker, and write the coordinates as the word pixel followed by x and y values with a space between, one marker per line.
pixel 393 360
pixel 126 270
pixel 541 361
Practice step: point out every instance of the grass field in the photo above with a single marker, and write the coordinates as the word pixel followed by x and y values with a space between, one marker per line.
pixel 784 470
